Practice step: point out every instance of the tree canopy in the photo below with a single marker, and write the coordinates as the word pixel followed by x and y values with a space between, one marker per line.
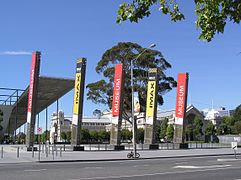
pixel 124 52
pixel 212 15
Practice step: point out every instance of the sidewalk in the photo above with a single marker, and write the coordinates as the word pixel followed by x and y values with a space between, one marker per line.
pixel 68 156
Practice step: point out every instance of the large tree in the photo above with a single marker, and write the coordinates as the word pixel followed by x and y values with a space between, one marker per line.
pixel 197 127
pixel 237 113
pixel 163 128
pixel 212 15
pixel 125 52
pixel 170 132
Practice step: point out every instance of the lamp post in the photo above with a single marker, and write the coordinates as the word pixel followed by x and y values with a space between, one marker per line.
pixel 132 99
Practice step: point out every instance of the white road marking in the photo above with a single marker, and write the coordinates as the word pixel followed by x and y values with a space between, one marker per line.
pixel 93 167
pixel 212 161
pixel 228 160
pixel 201 167
pixel 129 161
pixel 154 174
pixel 34 170
pixel 181 163
pixel 144 165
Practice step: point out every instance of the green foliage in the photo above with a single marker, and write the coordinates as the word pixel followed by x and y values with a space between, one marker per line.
pixel 134 11
pixel 63 136
pixel 94 136
pixel 210 129
pixel 140 135
pixel 222 129
pixel 85 135
pixel 189 132
pixel 68 136
pixel 104 135
pixel 21 138
pixel 170 132
pixel 231 124
pixel 237 114
pixel 126 134
pixel 212 15
pixel 197 127
pixel 1 119
pixel 125 52
pixel 163 129
pixel 45 136
pixel 237 126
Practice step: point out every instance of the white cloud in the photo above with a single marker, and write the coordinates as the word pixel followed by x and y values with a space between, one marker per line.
pixel 15 53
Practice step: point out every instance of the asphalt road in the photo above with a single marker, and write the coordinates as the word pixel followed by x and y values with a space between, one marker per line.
pixel 207 168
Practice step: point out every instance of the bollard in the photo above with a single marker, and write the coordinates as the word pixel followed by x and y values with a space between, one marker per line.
pixel 64 147
pixel 32 151
pixel 17 152
pixel 98 147
pixel 53 152
pixel 39 151
pixel 56 151
pixel 46 150
pixel 1 152
pixel 60 152
pixel 42 148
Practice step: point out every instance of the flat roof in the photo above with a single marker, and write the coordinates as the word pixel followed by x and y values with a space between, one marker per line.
pixel 50 89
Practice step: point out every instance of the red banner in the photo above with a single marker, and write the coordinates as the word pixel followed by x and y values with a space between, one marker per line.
pixel 117 90
pixel 31 85
pixel 181 95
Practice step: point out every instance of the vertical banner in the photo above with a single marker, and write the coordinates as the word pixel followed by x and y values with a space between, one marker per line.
pixel 116 103
pixel 137 106
pixel 181 103
pixel 151 104
pixel 32 97
pixel 117 106
pixel 181 99
pixel 78 100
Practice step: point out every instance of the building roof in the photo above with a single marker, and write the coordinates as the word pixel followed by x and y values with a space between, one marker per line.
pixel 49 90
pixel 92 119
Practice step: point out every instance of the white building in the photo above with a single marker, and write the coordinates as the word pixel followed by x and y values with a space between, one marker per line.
pixel 63 123
pixel 215 115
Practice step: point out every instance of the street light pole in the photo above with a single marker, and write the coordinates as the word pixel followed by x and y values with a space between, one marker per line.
pixel 132 100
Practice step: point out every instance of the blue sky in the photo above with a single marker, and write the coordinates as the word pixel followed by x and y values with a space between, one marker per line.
pixel 66 30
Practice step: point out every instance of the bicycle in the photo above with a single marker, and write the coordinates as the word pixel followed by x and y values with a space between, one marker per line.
pixel 131 155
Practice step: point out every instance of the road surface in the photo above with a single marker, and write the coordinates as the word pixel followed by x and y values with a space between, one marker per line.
pixel 205 168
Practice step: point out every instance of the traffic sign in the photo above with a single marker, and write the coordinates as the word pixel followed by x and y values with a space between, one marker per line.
pixel 234 145
pixel 39 131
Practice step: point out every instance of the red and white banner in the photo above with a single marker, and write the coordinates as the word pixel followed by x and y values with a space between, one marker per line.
pixel 117 90
pixel 30 94
pixel 31 86
pixel 181 97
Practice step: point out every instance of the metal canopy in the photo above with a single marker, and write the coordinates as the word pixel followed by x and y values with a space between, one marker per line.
pixel 49 90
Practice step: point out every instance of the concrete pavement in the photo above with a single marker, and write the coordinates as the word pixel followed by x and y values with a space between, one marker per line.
pixel 10 155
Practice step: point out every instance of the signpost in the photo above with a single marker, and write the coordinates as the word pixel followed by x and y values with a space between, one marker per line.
pixel 40 131
pixel 234 146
